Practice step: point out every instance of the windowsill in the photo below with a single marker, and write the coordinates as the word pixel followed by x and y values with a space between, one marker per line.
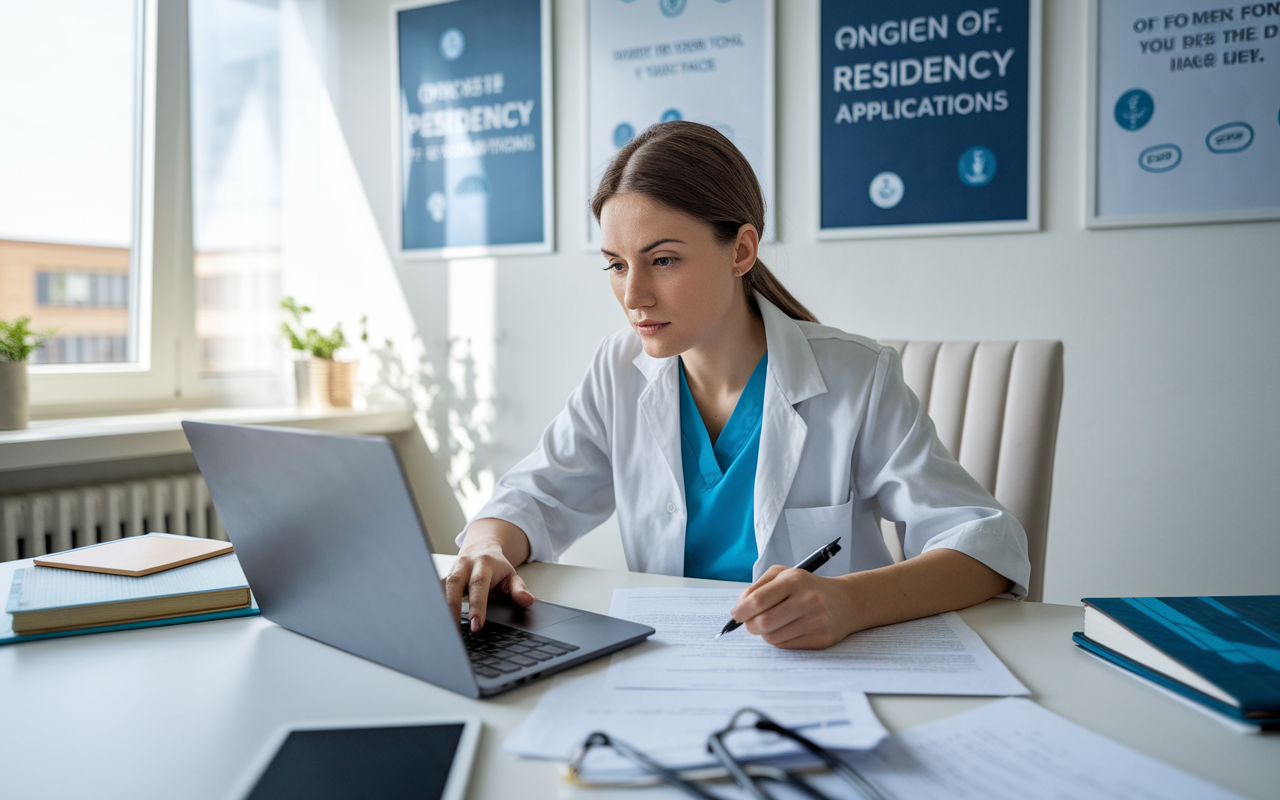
pixel 57 442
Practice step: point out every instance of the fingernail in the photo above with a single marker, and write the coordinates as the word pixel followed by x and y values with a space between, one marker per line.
pixel 475 624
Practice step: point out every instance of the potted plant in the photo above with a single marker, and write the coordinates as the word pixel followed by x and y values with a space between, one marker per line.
pixel 322 380
pixel 17 342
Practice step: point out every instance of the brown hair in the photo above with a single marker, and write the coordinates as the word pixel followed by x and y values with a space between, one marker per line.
pixel 694 169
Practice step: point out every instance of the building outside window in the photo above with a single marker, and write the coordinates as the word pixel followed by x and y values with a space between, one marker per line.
pixel 236 183
pixel 69 105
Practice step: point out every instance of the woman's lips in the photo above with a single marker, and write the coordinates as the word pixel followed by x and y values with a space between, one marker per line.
pixel 649 327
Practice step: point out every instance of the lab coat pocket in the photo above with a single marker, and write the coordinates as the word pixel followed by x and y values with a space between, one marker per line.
pixel 811 528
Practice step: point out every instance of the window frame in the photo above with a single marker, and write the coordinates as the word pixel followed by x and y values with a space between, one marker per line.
pixel 165 371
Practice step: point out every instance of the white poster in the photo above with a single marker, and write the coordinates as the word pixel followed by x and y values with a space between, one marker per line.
pixel 1187 112
pixel 708 61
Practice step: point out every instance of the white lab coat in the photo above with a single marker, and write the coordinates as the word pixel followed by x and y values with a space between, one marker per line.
pixel 842 441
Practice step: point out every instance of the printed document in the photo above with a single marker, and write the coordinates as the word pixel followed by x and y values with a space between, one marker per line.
pixel 672 726
pixel 1013 749
pixel 934 655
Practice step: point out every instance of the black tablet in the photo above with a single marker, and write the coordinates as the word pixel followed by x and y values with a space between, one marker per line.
pixel 424 760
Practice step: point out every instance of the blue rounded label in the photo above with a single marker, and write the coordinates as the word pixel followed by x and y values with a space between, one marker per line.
pixel 672 8
pixel 623 134
pixel 1160 158
pixel 1230 138
pixel 452 43
pixel 977 166
pixel 1134 109
pixel 671 115
pixel 886 190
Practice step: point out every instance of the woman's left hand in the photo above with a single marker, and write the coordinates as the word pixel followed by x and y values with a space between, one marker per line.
pixel 797 610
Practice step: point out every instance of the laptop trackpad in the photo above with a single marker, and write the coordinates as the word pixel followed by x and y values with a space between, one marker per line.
pixel 540 615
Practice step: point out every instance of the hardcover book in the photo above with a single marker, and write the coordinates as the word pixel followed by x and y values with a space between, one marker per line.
pixel 1223 652
pixel 43 599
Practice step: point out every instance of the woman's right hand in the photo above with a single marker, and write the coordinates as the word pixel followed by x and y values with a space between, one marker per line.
pixel 486 565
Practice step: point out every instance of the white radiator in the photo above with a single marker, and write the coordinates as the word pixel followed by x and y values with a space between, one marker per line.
pixel 48 522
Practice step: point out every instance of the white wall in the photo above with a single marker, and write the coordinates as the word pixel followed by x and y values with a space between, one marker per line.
pixel 1165 475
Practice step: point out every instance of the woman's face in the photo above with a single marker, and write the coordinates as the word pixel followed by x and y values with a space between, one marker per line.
pixel 676 282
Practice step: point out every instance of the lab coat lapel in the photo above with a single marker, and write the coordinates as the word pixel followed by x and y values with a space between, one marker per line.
pixel 793 376
pixel 660 406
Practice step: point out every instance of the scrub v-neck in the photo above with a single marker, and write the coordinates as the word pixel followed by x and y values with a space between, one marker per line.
pixel 719 483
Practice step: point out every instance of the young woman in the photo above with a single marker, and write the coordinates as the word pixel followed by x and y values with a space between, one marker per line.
pixel 734 435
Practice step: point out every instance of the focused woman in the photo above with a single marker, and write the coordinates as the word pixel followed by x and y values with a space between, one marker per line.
pixel 734 435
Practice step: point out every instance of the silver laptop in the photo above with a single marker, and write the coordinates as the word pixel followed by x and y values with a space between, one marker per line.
pixel 333 547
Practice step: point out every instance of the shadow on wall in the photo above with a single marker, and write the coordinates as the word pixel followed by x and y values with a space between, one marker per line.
pixel 445 385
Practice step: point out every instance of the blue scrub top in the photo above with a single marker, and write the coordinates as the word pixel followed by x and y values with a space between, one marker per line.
pixel 720 482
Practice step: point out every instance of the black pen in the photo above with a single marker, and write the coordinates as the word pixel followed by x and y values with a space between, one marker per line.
pixel 811 564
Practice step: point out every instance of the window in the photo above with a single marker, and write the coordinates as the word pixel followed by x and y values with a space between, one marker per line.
pixel 68 167
pixel 236 183
pixel 100 129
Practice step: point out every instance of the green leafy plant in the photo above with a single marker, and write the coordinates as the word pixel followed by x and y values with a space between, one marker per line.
pixel 309 339
pixel 17 340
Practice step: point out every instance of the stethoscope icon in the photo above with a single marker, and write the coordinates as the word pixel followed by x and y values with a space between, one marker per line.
pixel 886 189
pixel 978 167
pixel 1134 115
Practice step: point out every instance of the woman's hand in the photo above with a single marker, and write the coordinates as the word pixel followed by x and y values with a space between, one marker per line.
pixel 796 610
pixel 486 565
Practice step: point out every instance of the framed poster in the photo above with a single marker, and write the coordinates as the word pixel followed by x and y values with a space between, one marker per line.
pixel 930 118
pixel 1184 113
pixel 472 127
pixel 708 61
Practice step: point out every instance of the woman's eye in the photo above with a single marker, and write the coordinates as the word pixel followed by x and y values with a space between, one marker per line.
pixel 664 261
pixel 616 266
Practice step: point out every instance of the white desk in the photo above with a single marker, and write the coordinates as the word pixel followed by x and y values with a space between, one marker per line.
pixel 180 711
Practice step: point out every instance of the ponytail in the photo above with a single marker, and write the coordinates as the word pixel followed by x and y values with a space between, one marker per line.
pixel 760 279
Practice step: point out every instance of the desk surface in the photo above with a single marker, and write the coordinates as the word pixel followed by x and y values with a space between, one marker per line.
pixel 181 711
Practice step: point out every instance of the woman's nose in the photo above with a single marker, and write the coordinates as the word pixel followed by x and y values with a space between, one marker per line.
pixel 637 293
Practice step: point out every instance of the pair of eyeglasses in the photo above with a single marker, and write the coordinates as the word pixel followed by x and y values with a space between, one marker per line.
pixel 753 778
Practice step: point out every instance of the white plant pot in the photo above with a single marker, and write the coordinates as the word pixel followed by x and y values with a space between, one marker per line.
pixel 15 405
pixel 311 376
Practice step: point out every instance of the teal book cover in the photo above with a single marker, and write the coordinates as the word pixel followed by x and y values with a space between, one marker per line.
pixel 7 636
pixel 1232 642
pixel 42 588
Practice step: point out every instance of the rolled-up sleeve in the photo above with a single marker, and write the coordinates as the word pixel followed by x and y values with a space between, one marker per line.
pixel 919 485
pixel 564 488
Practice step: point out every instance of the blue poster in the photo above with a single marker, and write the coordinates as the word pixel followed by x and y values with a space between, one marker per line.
pixel 926 114
pixel 475 168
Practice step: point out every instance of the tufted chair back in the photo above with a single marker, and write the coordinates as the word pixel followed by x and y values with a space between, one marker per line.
pixel 996 407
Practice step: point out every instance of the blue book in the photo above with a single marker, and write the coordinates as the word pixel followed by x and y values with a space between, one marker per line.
pixel 47 599
pixel 1222 652
pixel 7 636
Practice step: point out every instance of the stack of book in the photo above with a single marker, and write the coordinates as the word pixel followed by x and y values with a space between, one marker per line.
pixel 1222 653
pixel 157 579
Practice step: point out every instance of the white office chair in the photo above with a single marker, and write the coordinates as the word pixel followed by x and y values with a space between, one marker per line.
pixel 996 408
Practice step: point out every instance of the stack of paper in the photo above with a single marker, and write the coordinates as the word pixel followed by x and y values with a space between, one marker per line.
pixel 934 655
pixel 671 727
pixel 664 697
pixel 1014 749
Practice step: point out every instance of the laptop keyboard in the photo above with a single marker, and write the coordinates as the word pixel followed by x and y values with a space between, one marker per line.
pixel 497 650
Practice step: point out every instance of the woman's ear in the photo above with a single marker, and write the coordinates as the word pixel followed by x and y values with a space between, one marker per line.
pixel 745 249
